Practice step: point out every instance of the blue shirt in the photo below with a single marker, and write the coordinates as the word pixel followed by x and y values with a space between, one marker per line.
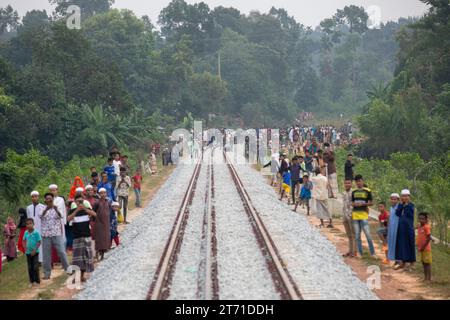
pixel 32 240
pixel 110 171
pixel 109 190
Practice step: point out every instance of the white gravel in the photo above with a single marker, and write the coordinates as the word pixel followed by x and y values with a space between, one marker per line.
pixel 312 260
pixel 242 270
pixel 127 271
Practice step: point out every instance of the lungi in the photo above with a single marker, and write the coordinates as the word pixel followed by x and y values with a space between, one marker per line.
pixel 322 211
pixel 83 255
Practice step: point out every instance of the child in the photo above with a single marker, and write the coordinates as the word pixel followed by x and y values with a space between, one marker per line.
pixel 382 231
pixel 114 223
pixel 423 244
pixel 305 193
pixel 32 241
pixel 286 187
pixel 137 180
pixel 9 231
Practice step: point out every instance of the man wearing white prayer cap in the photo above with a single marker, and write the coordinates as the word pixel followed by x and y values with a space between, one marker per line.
pixel 392 228
pixel 405 192
pixel 33 212
pixel 406 242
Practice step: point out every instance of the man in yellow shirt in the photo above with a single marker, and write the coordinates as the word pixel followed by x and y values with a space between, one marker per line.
pixel 361 201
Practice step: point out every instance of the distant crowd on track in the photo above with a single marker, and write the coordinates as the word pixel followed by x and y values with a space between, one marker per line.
pixel 83 225
pixel 309 179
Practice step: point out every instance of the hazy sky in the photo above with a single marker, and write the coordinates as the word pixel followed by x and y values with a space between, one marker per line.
pixel 307 12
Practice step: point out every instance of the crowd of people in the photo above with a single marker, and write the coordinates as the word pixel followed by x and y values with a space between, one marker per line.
pixel 84 225
pixel 309 179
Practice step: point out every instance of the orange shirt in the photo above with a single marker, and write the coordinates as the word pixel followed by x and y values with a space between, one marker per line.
pixel 423 233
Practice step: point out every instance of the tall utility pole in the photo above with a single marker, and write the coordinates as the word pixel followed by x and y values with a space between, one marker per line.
pixel 219 66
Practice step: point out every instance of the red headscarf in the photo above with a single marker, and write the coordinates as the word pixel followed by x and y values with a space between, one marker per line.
pixel 78 183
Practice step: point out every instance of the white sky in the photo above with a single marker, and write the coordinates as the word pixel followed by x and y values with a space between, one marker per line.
pixel 307 12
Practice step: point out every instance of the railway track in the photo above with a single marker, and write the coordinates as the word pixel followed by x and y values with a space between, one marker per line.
pixel 162 280
pixel 208 283
pixel 282 280
pixel 208 288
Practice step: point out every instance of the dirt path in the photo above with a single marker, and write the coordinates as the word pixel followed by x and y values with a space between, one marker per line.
pixel 395 285
pixel 55 288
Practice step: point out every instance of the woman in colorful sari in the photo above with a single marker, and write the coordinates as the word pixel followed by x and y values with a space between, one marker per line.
pixel 22 226
pixel 10 232
pixel 77 187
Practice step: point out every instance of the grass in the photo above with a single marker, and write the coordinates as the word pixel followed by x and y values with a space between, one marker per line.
pixel 14 278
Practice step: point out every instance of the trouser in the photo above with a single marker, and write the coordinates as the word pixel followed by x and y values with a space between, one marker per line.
pixel 350 231
pixel 116 240
pixel 294 189
pixel 33 268
pixel 123 201
pixel 58 244
pixel 363 225
pixel 137 192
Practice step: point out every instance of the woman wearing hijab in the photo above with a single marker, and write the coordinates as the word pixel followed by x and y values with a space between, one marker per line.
pixel 9 231
pixel 22 227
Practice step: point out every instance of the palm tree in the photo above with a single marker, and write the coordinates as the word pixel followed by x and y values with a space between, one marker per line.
pixel 379 91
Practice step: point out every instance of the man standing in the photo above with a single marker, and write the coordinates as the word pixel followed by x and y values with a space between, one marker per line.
pixel 405 250
pixel 34 211
pixel 295 169
pixel 329 159
pixel 349 167
pixel 123 189
pixel 320 195
pixel 308 162
pixel 126 165
pixel 347 219
pixel 110 170
pixel 52 235
pixel 102 231
pixel 361 201
pixel 82 246
pixel 393 227
pixel 60 203
pixel 105 184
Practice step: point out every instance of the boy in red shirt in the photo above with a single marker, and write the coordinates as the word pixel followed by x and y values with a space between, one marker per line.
pixel 382 231
pixel 424 244
pixel 137 180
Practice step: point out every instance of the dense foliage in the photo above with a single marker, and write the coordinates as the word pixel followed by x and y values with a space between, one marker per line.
pixel 429 182
pixel 412 112
pixel 261 68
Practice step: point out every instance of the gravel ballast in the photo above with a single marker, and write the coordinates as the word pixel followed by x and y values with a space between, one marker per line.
pixel 242 270
pixel 127 271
